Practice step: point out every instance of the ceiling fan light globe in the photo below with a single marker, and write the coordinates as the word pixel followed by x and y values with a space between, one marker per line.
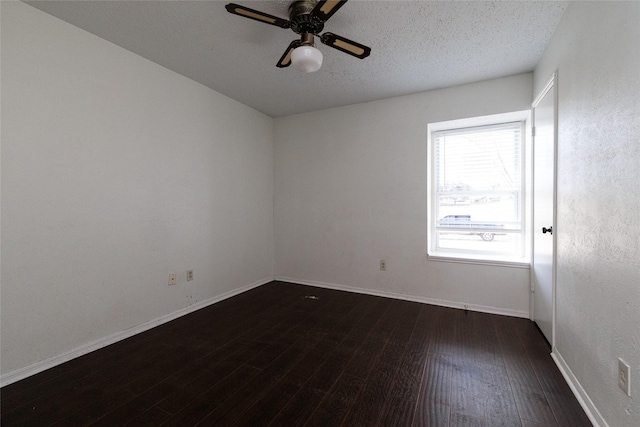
pixel 306 59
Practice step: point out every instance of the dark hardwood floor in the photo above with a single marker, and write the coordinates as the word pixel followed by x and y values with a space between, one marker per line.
pixel 270 356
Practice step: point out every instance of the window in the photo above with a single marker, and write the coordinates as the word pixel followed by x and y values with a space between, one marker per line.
pixel 477 189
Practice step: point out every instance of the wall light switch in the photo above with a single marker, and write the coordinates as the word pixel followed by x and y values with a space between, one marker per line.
pixel 172 279
pixel 624 376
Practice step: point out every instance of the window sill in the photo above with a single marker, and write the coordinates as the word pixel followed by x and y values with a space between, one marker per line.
pixel 480 261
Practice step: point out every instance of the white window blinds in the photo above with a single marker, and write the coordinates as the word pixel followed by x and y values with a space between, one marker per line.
pixel 477 178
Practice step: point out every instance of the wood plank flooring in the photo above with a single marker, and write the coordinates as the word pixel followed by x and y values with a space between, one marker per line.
pixel 272 357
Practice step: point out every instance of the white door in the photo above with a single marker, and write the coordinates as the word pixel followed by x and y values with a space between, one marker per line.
pixel 544 167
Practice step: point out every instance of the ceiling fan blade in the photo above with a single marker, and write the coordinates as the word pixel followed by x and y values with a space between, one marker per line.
pixel 285 61
pixel 326 8
pixel 236 9
pixel 345 45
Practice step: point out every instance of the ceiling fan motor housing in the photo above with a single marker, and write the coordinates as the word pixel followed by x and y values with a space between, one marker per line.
pixel 301 20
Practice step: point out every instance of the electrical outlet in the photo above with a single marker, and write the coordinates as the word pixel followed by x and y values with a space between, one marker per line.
pixel 189 275
pixel 172 279
pixel 383 265
pixel 624 378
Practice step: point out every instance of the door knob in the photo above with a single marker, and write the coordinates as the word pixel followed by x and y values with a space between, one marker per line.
pixel 547 230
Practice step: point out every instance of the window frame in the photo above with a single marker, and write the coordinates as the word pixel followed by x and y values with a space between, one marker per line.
pixel 526 162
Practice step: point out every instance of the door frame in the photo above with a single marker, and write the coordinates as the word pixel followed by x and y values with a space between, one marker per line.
pixel 551 83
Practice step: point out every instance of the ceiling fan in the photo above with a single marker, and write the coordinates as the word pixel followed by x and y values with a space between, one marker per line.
pixel 307 18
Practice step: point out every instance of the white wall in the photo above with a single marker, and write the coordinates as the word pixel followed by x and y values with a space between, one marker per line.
pixel 351 188
pixel 595 50
pixel 115 172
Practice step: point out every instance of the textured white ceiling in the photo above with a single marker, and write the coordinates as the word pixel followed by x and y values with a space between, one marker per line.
pixel 416 46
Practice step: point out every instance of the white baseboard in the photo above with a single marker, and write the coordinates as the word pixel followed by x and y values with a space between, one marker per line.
pixel 583 398
pixel 414 298
pixel 37 367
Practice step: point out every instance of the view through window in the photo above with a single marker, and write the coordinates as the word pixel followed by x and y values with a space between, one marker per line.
pixel 477 189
